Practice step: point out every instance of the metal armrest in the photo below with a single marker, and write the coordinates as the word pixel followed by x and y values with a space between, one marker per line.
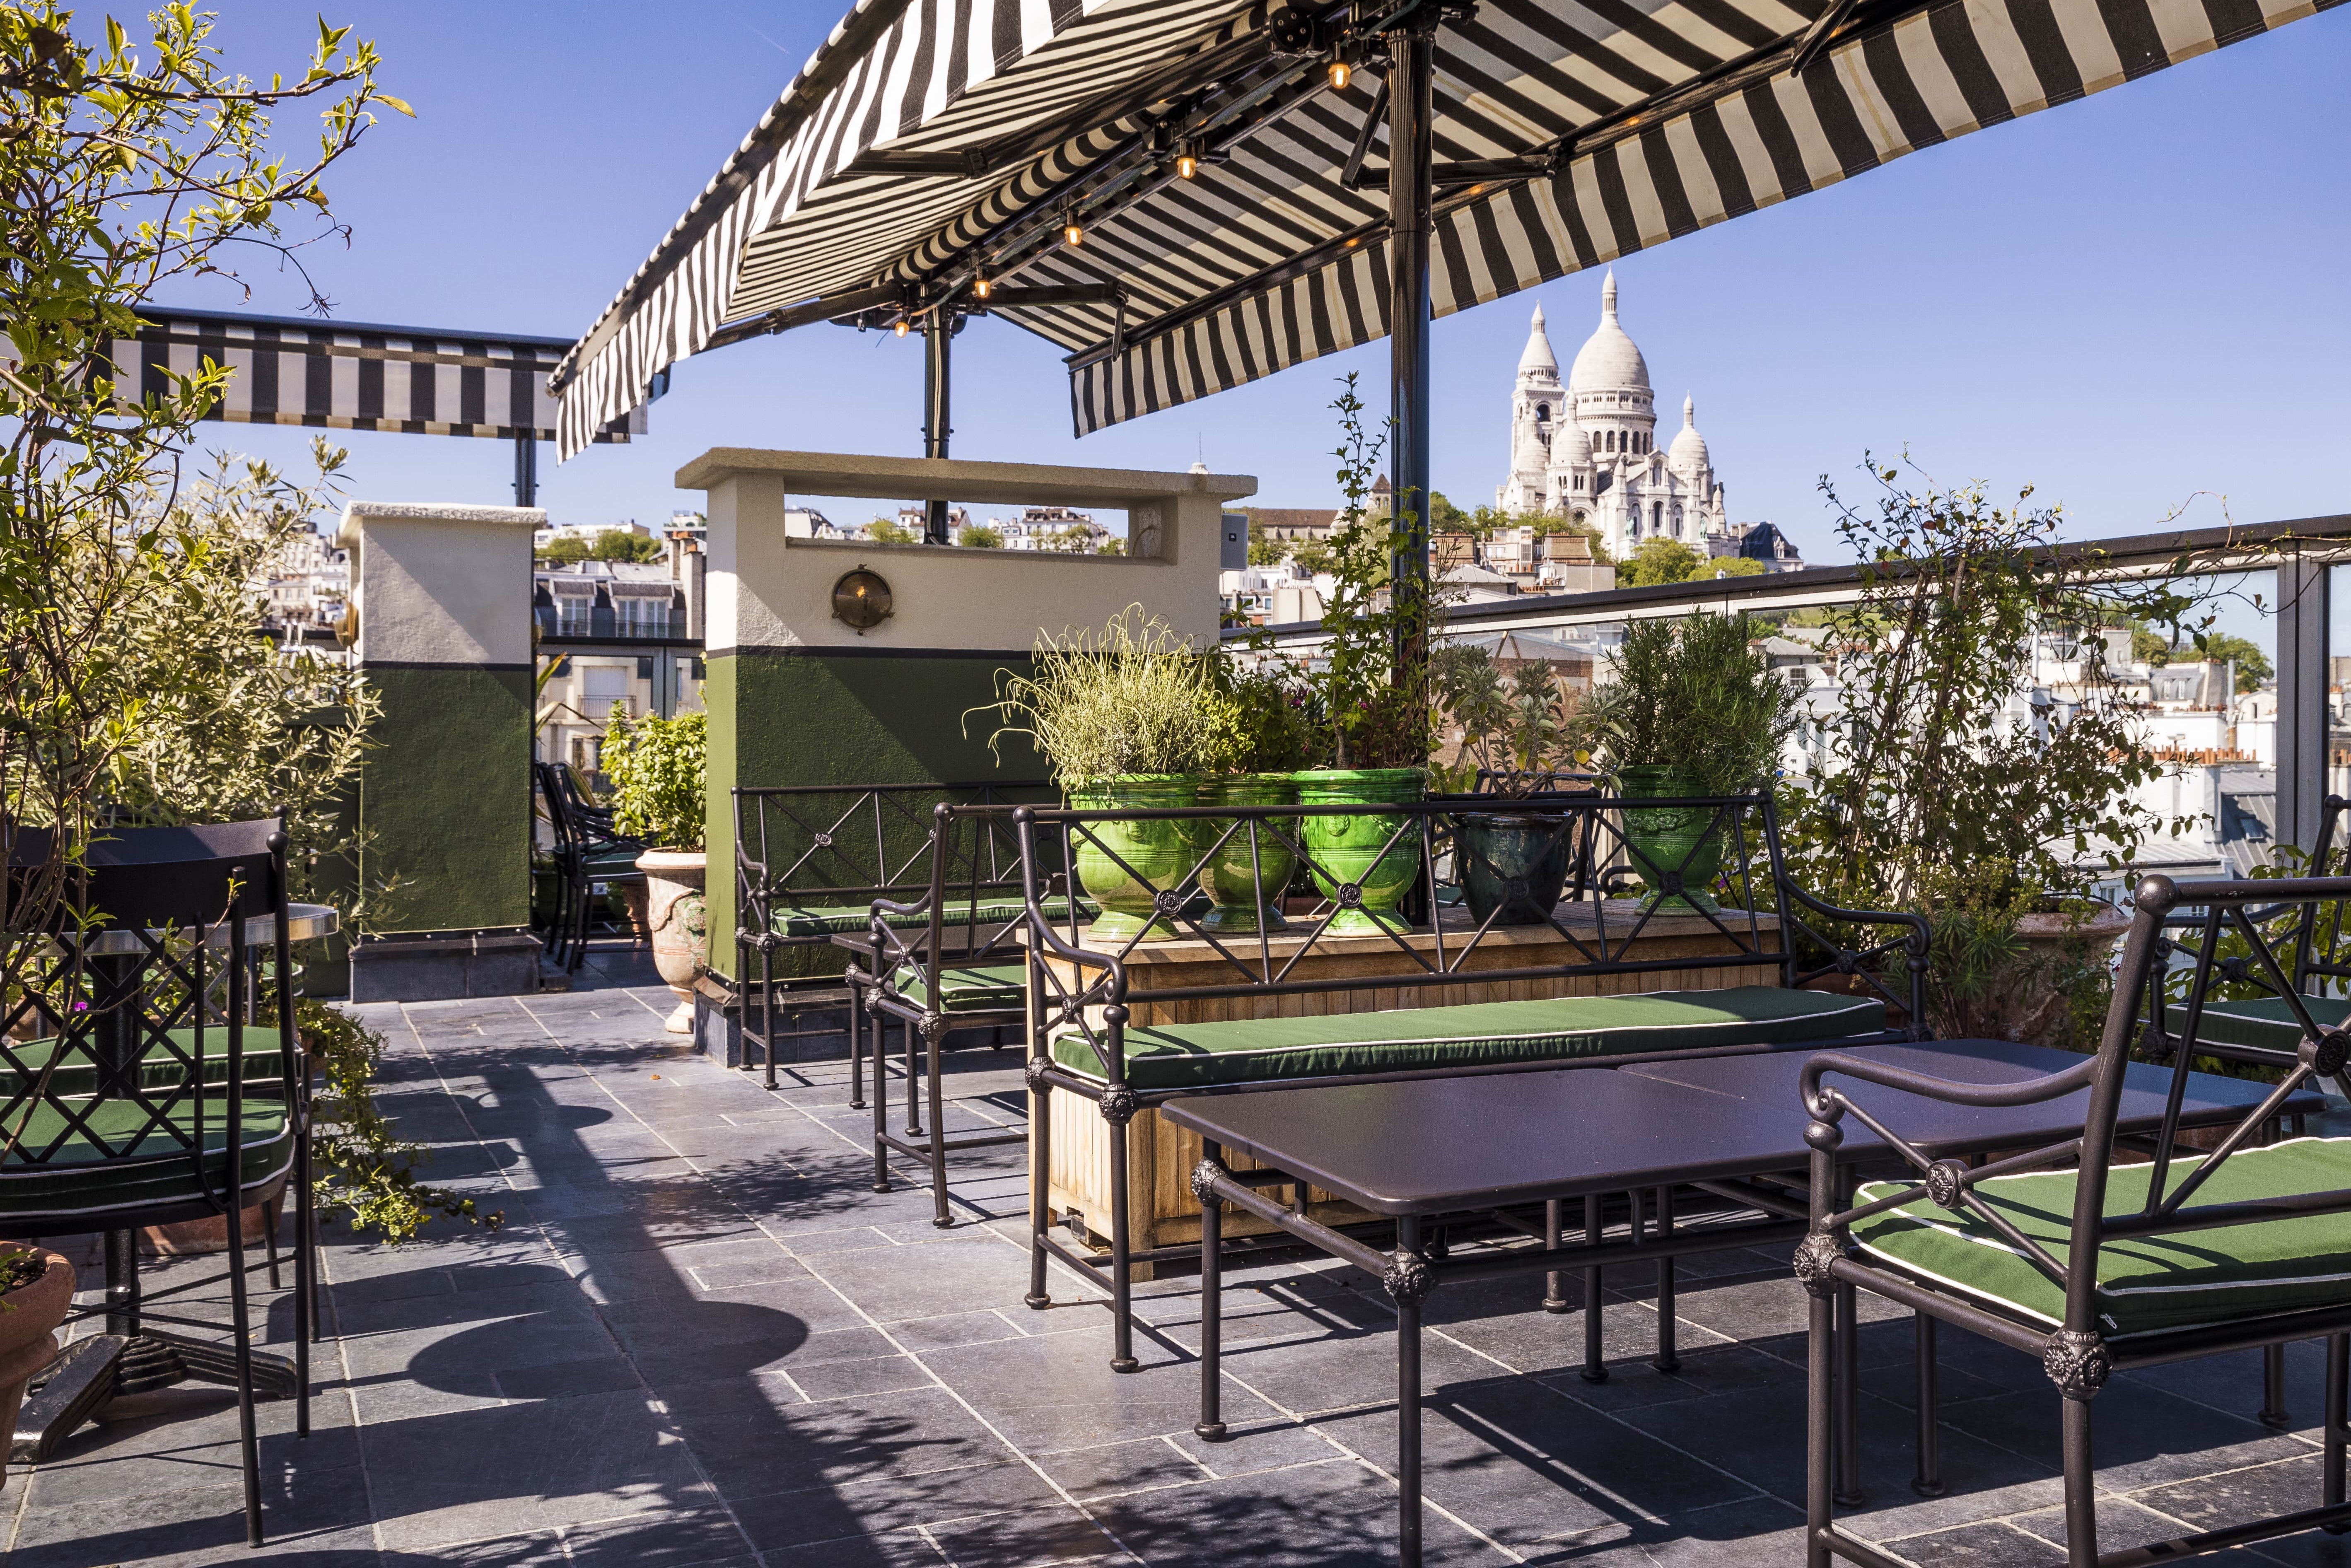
pixel 2026 1091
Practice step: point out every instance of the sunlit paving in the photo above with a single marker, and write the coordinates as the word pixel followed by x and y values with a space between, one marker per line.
pixel 1125 1011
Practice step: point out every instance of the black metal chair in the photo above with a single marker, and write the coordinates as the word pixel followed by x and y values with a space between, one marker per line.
pixel 2090 1263
pixel 151 1096
pixel 2248 1018
pixel 963 969
pixel 587 850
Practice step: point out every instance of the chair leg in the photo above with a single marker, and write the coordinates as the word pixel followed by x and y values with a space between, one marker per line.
pixel 270 1213
pixel 856 1048
pixel 1121 1288
pixel 1041 1190
pixel 306 1274
pixel 1554 1222
pixel 767 1018
pixel 933 1039
pixel 880 1107
pixel 248 1443
pixel 1819 1428
pixel 914 1091
pixel 1929 1480
pixel 1848 1397
pixel 2081 1487
pixel 2338 1413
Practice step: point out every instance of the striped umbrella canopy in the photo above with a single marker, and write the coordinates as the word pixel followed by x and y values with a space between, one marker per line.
pixel 1189 194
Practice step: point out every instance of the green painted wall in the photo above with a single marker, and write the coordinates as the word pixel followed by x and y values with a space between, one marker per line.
pixel 832 718
pixel 445 798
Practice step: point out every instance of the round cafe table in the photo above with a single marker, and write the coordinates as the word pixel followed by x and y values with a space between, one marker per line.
pixel 130 1356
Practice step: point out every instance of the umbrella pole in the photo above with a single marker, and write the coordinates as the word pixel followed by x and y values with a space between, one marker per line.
pixel 1412 51
pixel 937 330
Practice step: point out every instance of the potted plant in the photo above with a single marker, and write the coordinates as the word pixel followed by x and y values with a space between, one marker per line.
pixel 1123 717
pixel 1692 709
pixel 1262 730
pixel 1375 739
pixel 1514 732
pixel 658 792
pixel 36 1290
pixel 1933 790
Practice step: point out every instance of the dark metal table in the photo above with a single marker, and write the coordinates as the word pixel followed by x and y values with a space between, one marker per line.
pixel 1731 1126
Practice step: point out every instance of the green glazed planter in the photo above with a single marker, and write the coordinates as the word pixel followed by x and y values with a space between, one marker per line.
pixel 1675 845
pixel 1160 854
pixel 1346 851
pixel 1231 883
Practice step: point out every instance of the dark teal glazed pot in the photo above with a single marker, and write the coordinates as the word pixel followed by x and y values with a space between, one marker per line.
pixel 1510 862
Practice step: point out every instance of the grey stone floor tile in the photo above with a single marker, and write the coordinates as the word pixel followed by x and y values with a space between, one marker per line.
pixel 1334 1515
pixel 2262 1491
pixel 543 1464
pixel 780 1520
pixel 1026 1540
pixel 755 1437
pixel 952 1329
pixel 854 1379
pixel 1114 1467
pixel 929 1279
pixel 1057 1392
pixel 1524 1465
pixel 2142 1436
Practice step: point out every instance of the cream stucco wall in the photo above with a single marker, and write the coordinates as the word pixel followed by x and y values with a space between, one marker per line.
pixel 441 585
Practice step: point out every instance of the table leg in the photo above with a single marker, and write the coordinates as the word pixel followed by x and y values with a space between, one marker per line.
pixel 1668 1354
pixel 122 1283
pixel 2337 1406
pixel 1211 1424
pixel 2273 1414
pixel 1407 1305
pixel 1596 1364
pixel 1928 1481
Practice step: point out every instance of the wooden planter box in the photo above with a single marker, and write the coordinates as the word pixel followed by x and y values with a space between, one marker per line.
pixel 1160 1158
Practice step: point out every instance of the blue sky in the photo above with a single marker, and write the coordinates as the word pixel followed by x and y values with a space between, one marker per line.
pixel 2127 301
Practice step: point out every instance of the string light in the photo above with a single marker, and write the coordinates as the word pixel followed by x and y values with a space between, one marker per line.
pixel 901 328
pixel 981 286
pixel 1187 161
pixel 1342 73
pixel 1074 232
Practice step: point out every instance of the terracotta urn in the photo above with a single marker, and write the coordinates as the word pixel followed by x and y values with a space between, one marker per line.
pixel 190 1237
pixel 680 925
pixel 28 1335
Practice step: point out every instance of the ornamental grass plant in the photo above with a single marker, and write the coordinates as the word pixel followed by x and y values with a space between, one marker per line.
pixel 1133 697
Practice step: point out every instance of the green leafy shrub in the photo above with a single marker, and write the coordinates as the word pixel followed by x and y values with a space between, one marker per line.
pixel 1693 693
pixel 366 1171
pixel 659 769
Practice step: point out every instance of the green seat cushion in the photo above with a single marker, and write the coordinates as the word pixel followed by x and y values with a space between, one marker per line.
pixel 2144 1282
pixel 969 987
pixel 148 1168
pixel 1557 1029
pixel 159 1069
pixel 614 863
pixel 2266 1022
pixel 842 919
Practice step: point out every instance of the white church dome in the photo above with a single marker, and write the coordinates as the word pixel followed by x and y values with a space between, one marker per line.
pixel 1688 450
pixel 1608 359
pixel 1538 356
pixel 1571 446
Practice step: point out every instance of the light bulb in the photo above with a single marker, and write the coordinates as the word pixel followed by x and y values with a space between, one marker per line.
pixel 901 328
pixel 1074 234
pixel 1341 75
pixel 981 286
pixel 1187 165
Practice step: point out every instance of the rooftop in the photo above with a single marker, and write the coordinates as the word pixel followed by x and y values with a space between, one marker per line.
pixel 701 1339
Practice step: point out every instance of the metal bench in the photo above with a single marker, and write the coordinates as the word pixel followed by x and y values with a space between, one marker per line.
pixel 1832 964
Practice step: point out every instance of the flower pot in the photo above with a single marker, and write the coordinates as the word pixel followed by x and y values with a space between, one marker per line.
pixel 1675 850
pixel 1126 867
pixel 1234 885
pixel 2028 999
pixel 1512 862
pixel 194 1237
pixel 680 925
pixel 28 1335
pixel 1353 862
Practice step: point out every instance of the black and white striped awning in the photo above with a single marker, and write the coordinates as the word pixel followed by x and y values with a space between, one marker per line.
pixel 337 375
pixel 931 143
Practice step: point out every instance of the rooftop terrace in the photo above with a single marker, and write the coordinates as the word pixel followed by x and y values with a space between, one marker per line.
pixel 702 1339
